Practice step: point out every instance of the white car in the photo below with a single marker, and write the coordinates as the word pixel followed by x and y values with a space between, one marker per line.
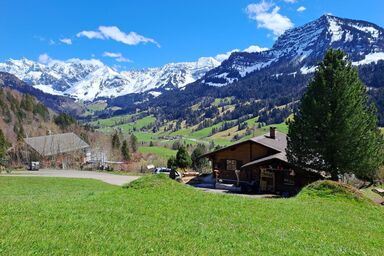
pixel 166 171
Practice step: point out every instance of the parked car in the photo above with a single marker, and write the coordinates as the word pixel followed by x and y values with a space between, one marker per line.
pixel 168 172
pixel 164 170
pixel 34 166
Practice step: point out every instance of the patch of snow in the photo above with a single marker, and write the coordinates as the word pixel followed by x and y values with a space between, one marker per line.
pixel 223 75
pixel 155 94
pixel 306 70
pixel 277 75
pixel 216 84
pixel 348 36
pixel 246 70
pixel 369 58
pixel 47 89
pixel 374 32
pixel 335 30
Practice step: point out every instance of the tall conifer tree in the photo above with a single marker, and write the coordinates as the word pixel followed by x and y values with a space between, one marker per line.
pixel 335 128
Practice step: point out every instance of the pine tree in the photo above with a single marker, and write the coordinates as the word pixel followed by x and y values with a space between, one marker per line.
pixel 183 159
pixel 125 151
pixel 115 141
pixel 133 142
pixel 335 128
pixel 172 163
pixel 3 145
pixel 198 162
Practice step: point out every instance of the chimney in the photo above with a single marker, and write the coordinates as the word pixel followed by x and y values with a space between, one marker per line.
pixel 272 132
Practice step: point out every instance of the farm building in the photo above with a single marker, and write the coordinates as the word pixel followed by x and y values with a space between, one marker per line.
pixel 260 164
pixel 59 150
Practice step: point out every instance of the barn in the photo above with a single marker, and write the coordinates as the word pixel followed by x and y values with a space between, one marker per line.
pixel 66 150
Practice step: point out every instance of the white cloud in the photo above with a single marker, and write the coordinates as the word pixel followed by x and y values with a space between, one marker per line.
pixel 301 9
pixel 252 48
pixel 255 48
pixel 114 33
pixel 117 56
pixel 290 1
pixel 66 41
pixel 267 16
pixel 90 34
pixel 223 56
pixel 51 42
pixel 44 58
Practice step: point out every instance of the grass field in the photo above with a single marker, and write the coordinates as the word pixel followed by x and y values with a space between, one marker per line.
pixel 160 151
pixel 52 216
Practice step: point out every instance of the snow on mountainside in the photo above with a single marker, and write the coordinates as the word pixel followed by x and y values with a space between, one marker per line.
pixel 301 48
pixel 89 79
pixel 298 50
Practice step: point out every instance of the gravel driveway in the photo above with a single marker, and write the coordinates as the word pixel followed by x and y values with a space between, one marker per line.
pixel 113 179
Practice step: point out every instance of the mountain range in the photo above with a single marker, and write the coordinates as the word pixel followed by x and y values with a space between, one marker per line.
pixel 91 79
pixel 271 77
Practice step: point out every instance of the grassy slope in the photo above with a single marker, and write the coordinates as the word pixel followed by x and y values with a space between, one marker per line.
pixel 187 135
pixel 108 124
pixel 75 217
pixel 161 151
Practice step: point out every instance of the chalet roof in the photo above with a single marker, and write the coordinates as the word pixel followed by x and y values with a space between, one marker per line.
pixel 279 156
pixel 56 144
pixel 279 143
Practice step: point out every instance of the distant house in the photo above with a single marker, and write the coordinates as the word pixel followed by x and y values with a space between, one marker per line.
pixel 261 165
pixel 59 150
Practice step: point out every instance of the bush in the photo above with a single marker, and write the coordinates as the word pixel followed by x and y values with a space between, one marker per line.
pixel 328 188
pixel 151 181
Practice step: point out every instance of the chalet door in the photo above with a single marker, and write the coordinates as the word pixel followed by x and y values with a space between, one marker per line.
pixel 267 181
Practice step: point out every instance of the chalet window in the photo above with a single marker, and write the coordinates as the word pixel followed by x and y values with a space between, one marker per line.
pixel 289 178
pixel 231 165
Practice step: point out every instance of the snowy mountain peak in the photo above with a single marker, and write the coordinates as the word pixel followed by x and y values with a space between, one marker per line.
pixel 301 48
pixel 89 79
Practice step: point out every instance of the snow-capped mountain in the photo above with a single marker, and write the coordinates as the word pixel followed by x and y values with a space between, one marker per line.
pixel 297 51
pixel 89 79
pixel 300 49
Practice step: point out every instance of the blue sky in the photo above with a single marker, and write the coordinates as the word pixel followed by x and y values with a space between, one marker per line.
pixel 150 33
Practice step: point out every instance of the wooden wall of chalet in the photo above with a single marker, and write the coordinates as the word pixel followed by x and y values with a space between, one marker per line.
pixel 242 153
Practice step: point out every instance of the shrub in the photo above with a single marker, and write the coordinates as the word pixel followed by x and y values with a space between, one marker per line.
pixel 151 181
pixel 328 188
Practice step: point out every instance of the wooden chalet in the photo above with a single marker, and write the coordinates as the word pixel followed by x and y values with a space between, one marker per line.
pixel 260 164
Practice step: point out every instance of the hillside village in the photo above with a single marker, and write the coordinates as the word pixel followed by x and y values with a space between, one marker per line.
pixel 266 151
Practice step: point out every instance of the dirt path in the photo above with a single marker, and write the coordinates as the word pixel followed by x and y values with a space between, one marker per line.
pixel 113 179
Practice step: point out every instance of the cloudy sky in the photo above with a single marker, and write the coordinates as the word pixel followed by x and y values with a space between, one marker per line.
pixel 148 33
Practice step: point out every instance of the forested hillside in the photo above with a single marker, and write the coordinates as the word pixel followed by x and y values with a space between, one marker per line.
pixel 22 116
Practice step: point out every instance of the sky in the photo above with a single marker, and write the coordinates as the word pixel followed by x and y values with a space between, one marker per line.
pixel 137 34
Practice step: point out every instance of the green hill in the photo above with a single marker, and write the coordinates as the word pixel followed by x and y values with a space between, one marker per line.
pixel 158 216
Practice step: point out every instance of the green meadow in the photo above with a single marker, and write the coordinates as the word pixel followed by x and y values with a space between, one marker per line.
pixel 157 216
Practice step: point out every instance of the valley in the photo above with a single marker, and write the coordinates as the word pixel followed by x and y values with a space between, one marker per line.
pixel 163 139
pixel 213 101
pixel 192 127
